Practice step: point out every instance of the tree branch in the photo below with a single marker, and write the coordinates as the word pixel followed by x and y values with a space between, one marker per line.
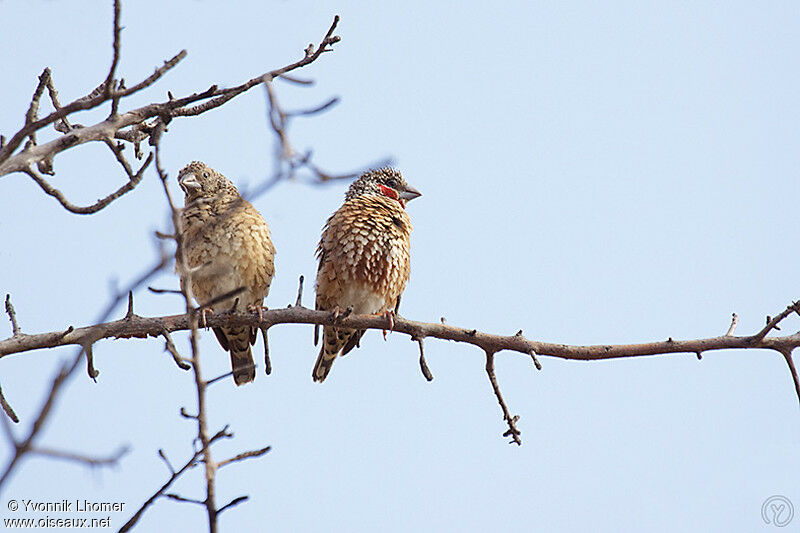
pixel 142 327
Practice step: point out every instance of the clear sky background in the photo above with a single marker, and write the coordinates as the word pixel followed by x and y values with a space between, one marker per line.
pixel 591 172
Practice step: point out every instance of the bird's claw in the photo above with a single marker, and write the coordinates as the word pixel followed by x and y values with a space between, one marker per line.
pixel 203 316
pixel 389 315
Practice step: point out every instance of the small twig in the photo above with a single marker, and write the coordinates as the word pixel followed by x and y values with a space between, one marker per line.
pixel 244 455
pixel 536 362
pixel 267 362
pixel 299 301
pixel 173 351
pixel 178 498
pixel 314 110
pixel 164 291
pixel 221 298
pixel 512 432
pixel 12 315
pixel 92 371
pixel 232 503
pixel 111 460
pixel 734 322
pixel 295 79
pixel 129 314
pixel 166 461
pixel 95 207
pixel 787 354
pixel 185 414
pixel 772 323
pixel 109 83
pixel 223 376
pixel 423 364
pixel 7 408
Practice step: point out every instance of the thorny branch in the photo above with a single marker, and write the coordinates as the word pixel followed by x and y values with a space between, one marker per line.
pixel 141 327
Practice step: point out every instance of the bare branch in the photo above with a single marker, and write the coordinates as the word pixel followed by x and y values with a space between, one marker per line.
pixel 423 365
pixel 512 432
pixel 232 503
pixel 90 369
pixel 166 461
pixel 143 327
pixel 787 354
pixel 299 301
pixel 12 315
pixel 95 207
pixel 245 455
pixel 111 460
pixel 772 323
pixel 267 362
pixel 7 408
pixel 178 498
pixel 109 83
pixel 173 351
pixel 192 462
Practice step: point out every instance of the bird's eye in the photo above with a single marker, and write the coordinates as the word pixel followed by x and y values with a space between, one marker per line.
pixel 205 174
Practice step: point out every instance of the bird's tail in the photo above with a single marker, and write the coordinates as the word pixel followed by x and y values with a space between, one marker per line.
pixel 333 340
pixel 237 341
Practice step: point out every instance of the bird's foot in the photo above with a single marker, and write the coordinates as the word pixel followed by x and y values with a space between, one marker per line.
pixel 389 315
pixel 257 309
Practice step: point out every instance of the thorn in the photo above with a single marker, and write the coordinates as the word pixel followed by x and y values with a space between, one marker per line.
pixel 184 414
pixel 536 362
pixel 12 315
pixel 423 365
pixel 93 373
pixel 267 363
pixel 299 301
pixel 129 315
pixel 734 322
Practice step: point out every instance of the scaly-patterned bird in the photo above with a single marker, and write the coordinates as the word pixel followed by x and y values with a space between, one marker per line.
pixel 364 260
pixel 227 246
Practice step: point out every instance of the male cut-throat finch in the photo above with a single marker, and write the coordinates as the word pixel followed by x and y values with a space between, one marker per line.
pixel 364 257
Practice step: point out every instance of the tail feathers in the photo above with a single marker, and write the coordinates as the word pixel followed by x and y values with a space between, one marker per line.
pixel 323 366
pixel 333 340
pixel 237 341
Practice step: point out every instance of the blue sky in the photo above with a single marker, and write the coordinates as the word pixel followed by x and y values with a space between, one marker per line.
pixel 591 173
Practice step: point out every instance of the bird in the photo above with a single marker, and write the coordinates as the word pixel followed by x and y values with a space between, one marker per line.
pixel 226 246
pixel 364 258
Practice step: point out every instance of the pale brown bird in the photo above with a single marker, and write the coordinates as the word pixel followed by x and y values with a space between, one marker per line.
pixel 227 246
pixel 364 260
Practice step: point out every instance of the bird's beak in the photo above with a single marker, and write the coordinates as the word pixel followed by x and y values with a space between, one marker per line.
pixel 189 183
pixel 409 193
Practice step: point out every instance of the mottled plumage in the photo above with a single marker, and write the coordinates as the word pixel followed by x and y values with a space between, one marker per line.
pixel 227 245
pixel 364 260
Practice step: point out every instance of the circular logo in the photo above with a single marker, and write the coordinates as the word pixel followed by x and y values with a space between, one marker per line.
pixel 777 510
pixel 13 505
